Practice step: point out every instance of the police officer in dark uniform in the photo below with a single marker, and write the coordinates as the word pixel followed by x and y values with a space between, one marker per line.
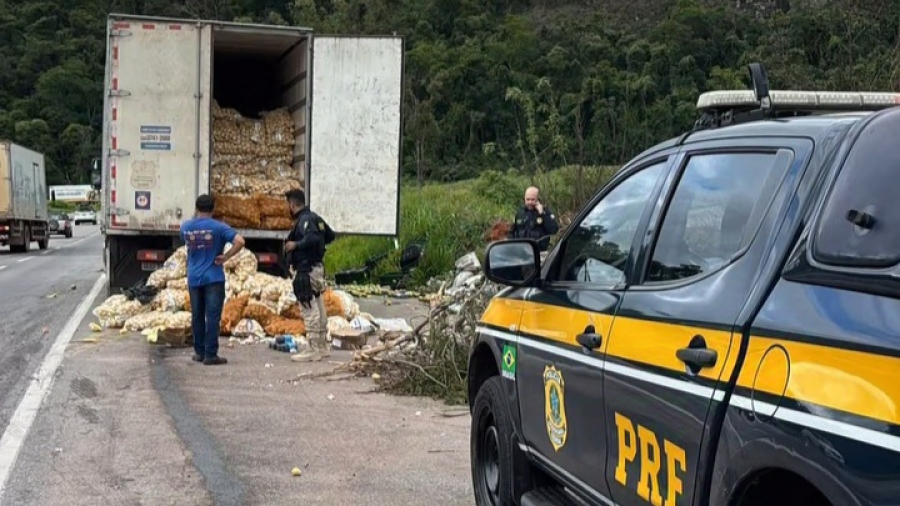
pixel 305 249
pixel 534 221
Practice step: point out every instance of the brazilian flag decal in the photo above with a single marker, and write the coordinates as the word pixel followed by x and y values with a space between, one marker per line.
pixel 508 361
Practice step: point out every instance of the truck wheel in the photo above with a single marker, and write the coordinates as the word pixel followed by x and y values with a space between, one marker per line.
pixel 43 243
pixel 491 447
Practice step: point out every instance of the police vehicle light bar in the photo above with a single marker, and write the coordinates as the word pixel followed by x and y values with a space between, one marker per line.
pixel 800 100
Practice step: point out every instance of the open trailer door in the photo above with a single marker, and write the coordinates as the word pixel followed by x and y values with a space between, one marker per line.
pixel 157 121
pixel 354 156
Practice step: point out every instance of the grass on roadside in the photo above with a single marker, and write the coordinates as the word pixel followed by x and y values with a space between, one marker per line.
pixel 452 219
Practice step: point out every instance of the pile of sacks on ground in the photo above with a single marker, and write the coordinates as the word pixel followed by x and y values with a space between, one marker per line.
pixel 257 305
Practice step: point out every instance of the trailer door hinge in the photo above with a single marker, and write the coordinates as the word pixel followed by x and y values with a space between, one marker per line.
pixel 119 152
pixel 120 33
pixel 119 93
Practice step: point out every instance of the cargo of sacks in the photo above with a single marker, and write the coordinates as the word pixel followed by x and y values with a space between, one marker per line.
pixel 252 168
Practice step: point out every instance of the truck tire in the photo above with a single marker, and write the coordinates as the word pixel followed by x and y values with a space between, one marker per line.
pixel 45 242
pixel 492 458
pixel 26 245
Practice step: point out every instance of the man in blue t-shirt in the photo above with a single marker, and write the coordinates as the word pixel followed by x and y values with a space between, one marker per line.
pixel 205 239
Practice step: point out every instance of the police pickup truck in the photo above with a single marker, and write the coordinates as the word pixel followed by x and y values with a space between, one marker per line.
pixel 720 325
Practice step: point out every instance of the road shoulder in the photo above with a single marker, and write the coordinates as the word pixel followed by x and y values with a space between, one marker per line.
pixel 102 435
pixel 130 422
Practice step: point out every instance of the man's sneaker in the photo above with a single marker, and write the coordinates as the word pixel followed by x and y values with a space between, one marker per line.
pixel 215 361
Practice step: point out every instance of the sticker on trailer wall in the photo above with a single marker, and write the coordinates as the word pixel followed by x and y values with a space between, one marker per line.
pixel 143 174
pixel 142 201
pixel 156 137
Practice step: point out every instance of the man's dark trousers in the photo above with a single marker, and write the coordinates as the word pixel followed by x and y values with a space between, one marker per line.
pixel 207 302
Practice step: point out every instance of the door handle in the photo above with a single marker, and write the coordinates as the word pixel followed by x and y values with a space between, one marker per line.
pixel 589 340
pixel 697 356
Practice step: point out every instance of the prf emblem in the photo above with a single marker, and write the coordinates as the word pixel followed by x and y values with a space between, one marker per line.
pixel 640 445
pixel 555 406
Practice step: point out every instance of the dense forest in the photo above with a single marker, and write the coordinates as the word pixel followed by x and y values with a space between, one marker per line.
pixel 528 84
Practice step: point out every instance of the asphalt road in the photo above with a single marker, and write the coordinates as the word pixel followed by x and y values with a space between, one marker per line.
pixel 124 422
pixel 39 291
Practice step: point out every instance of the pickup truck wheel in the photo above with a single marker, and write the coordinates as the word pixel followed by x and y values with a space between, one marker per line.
pixel 491 450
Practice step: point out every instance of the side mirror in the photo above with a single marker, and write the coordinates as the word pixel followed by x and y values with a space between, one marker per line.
pixel 96 179
pixel 513 262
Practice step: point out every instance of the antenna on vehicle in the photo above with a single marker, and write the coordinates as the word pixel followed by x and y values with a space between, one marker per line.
pixel 759 79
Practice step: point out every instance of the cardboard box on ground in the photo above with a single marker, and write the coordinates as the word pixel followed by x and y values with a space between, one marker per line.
pixel 257 305
pixel 252 168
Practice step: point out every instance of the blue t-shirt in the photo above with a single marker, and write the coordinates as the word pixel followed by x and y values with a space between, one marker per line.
pixel 205 239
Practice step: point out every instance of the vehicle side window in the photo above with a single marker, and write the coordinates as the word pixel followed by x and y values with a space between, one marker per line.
pixel 597 249
pixel 858 227
pixel 708 219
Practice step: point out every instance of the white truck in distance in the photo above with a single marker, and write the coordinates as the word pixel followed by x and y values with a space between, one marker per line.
pixel 163 75
pixel 23 198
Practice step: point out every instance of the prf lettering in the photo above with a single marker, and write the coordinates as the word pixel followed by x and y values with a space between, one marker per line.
pixel 633 439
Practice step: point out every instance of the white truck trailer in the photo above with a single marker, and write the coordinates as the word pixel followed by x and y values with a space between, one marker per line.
pixel 163 75
pixel 23 198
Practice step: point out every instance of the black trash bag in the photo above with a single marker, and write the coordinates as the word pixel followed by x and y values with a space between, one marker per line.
pixel 410 256
pixel 141 291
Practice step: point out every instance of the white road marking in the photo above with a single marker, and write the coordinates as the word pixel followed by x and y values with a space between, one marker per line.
pixel 51 249
pixel 17 430
pixel 69 245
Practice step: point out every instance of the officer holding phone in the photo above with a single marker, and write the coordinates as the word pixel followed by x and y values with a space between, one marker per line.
pixel 534 221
